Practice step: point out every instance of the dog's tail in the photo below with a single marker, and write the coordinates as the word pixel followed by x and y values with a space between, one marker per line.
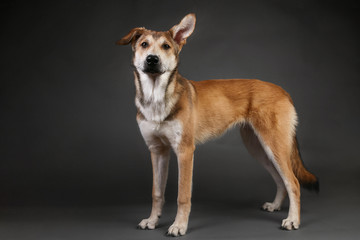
pixel 306 179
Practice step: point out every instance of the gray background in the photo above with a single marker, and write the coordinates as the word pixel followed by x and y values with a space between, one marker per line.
pixel 74 166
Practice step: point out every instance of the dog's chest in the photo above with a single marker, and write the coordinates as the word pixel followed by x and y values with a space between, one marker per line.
pixel 156 134
pixel 155 111
pixel 155 106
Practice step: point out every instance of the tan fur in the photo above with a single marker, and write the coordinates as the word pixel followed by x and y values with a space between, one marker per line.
pixel 198 111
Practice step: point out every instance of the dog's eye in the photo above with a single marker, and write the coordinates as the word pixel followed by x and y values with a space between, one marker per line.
pixel 166 46
pixel 144 44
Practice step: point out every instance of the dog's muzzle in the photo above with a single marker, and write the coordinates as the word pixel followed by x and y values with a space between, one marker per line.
pixel 152 64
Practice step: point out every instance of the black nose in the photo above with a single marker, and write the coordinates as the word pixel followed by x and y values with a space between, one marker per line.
pixel 152 60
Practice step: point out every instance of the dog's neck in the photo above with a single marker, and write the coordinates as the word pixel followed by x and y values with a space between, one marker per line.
pixel 156 95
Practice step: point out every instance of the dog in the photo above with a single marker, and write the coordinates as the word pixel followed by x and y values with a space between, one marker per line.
pixel 176 113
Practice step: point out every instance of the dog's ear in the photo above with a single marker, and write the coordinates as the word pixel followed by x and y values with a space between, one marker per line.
pixel 184 29
pixel 132 36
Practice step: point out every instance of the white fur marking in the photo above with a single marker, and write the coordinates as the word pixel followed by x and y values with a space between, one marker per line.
pixel 164 133
pixel 155 108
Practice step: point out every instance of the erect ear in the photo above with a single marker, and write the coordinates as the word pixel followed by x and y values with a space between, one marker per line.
pixel 184 29
pixel 132 36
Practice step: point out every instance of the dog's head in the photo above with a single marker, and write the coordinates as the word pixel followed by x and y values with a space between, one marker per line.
pixel 157 52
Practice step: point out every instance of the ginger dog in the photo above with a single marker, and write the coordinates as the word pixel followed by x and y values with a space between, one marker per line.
pixel 173 112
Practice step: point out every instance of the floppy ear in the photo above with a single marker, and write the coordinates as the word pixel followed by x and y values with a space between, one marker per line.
pixel 133 35
pixel 184 29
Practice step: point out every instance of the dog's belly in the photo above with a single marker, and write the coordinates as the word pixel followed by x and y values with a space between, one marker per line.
pixel 157 135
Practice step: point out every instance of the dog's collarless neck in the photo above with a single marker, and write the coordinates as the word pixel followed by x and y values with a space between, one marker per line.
pixel 156 98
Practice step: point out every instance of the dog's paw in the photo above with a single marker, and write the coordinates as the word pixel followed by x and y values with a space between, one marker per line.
pixel 176 230
pixel 270 207
pixel 148 223
pixel 289 224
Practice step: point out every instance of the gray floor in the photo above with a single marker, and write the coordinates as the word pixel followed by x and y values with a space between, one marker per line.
pixel 226 207
pixel 322 218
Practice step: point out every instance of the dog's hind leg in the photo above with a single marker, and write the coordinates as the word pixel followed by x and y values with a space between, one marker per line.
pixel 160 156
pixel 276 140
pixel 254 147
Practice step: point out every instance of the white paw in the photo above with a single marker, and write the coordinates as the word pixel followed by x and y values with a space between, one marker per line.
pixel 176 230
pixel 270 207
pixel 290 224
pixel 148 223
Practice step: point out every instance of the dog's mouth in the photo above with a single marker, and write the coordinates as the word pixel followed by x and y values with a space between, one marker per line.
pixel 152 70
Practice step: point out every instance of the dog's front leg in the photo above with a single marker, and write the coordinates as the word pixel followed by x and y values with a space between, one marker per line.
pixel 160 163
pixel 185 163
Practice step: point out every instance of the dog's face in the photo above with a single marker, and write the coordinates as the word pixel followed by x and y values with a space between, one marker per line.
pixel 157 52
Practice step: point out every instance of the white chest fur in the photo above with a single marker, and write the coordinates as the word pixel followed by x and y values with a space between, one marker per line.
pixel 166 133
pixel 155 106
